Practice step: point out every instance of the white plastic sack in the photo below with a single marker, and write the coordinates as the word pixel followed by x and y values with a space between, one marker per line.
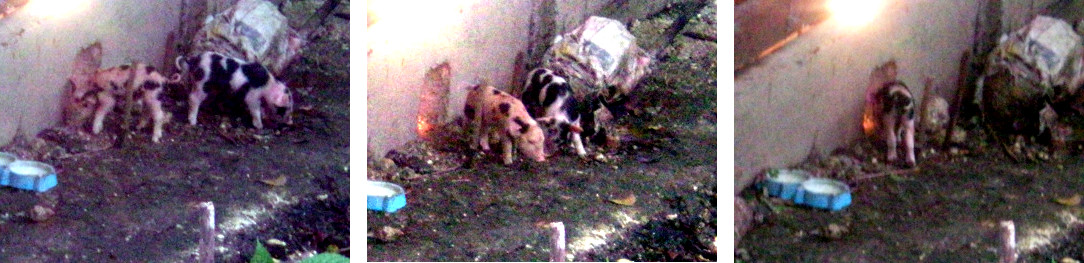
pixel 254 30
pixel 1047 45
pixel 601 53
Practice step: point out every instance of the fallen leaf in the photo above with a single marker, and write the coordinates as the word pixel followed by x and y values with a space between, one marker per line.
pixel 276 242
pixel 280 181
pixel 1069 201
pixel 389 233
pixel 628 200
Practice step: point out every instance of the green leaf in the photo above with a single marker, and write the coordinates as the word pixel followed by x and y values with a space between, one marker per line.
pixel 327 258
pixel 261 255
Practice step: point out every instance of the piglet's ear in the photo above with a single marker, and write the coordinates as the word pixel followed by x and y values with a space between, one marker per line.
pixel 545 121
pixel 575 128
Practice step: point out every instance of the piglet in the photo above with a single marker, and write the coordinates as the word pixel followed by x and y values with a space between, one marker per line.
pixel 548 96
pixel 214 73
pixel 98 95
pixel 492 112
pixel 897 110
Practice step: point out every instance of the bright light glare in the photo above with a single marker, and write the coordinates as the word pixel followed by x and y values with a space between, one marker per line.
pixel 414 14
pixel 411 21
pixel 55 8
pixel 855 12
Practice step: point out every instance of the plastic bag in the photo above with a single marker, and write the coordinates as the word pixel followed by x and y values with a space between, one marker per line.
pixel 600 53
pixel 254 30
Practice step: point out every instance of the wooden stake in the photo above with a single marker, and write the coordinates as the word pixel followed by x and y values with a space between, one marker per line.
pixel 129 104
pixel 207 239
pixel 1008 242
pixel 558 239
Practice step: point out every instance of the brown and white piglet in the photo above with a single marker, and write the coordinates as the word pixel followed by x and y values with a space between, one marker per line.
pixel 492 112
pixel 98 95
pixel 897 112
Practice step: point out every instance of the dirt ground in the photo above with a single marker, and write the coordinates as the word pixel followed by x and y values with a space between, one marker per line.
pixel 132 202
pixel 946 211
pixel 462 207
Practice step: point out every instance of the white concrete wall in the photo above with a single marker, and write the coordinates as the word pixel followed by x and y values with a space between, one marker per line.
pixel 478 38
pixel 808 96
pixel 36 51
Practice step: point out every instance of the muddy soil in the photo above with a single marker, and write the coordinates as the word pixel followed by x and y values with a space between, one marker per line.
pixel 132 202
pixel 467 207
pixel 945 211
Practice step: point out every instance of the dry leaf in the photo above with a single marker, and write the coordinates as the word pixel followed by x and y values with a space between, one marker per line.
pixel 1069 201
pixel 275 182
pixel 628 200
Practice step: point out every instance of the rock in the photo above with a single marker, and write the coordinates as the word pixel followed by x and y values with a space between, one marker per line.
pixel 936 115
pixel 958 136
pixel 276 242
pixel 41 213
pixel 410 161
pixel 386 233
pixel 385 164
pixel 743 218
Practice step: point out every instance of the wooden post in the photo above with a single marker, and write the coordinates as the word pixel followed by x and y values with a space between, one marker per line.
pixel 207 239
pixel 1008 242
pixel 558 239
pixel 129 103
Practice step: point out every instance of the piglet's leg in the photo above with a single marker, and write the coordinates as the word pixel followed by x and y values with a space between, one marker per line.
pixel 483 139
pixel 254 108
pixel 889 122
pixel 506 144
pixel 155 112
pixel 107 102
pixel 194 100
pixel 578 143
pixel 909 140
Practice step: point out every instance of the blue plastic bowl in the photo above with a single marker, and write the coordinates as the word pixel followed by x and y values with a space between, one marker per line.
pixel 5 159
pixel 785 183
pixel 31 175
pixel 384 196
pixel 824 193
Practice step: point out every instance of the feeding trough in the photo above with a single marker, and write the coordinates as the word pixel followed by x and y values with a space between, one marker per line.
pixel 31 175
pixel 5 159
pixel 824 193
pixel 384 196
pixel 785 183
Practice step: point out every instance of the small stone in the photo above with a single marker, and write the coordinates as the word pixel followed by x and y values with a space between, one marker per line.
pixel 41 213
pixel 385 164
pixel 276 242
pixel 958 136
pixel 321 197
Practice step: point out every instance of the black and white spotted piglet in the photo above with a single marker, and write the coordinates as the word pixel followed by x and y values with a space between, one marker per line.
pixel 214 73
pixel 898 118
pixel 548 95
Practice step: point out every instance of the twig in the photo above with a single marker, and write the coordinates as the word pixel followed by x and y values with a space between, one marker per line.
pixel 88 152
pixel 207 239
pixel 700 36
pixel 1008 242
pixel 129 103
pixel 558 239
pixel 875 175
pixel 962 86
pixel 226 136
